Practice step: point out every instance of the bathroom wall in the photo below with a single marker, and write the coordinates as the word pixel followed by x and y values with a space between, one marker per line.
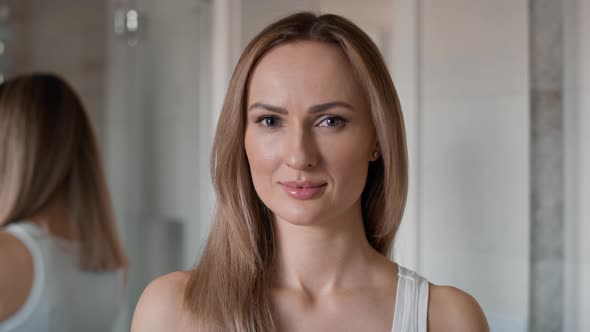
pixel 62 36
pixel 462 69
pixel 577 162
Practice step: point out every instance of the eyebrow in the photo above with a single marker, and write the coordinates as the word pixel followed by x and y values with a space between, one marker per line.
pixel 314 109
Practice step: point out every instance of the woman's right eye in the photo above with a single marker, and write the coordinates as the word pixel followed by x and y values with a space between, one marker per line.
pixel 268 121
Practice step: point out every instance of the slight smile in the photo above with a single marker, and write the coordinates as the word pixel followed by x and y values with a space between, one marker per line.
pixel 303 190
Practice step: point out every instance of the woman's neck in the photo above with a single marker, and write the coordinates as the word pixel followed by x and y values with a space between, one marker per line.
pixel 320 258
pixel 55 217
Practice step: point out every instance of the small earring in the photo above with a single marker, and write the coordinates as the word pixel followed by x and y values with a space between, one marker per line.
pixel 376 155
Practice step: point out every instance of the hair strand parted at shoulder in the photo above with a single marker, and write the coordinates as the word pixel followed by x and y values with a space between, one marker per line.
pixel 228 289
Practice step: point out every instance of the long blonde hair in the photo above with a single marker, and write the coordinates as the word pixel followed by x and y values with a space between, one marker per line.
pixel 48 147
pixel 228 290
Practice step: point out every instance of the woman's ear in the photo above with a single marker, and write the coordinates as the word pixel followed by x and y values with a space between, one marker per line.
pixel 375 155
pixel 376 152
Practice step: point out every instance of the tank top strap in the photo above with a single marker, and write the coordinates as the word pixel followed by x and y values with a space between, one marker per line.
pixel 411 304
pixel 26 233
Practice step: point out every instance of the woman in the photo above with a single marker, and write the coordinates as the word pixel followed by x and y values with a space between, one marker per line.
pixel 61 262
pixel 310 170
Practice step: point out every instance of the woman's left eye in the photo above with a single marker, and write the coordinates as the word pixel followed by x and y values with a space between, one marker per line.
pixel 332 121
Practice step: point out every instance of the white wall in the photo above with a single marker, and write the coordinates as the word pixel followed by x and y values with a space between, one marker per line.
pixel 577 153
pixel 405 71
pixel 470 112
pixel 573 159
pixel 584 198
pixel 577 106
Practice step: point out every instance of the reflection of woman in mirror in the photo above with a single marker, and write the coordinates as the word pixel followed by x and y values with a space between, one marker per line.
pixel 61 263
pixel 310 170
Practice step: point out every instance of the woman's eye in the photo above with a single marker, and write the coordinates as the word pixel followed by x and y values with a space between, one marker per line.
pixel 268 121
pixel 332 121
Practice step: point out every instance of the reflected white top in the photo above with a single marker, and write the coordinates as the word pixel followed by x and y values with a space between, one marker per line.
pixel 411 302
pixel 63 297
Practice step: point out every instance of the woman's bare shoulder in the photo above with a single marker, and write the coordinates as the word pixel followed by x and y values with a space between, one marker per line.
pixel 16 274
pixel 160 307
pixel 451 309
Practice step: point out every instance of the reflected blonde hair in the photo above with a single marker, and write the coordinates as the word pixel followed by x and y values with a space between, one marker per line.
pixel 47 148
pixel 229 289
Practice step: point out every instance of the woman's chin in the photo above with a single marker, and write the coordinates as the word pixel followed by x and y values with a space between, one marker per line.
pixel 299 217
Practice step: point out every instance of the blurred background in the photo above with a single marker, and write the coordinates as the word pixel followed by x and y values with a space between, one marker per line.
pixel 496 96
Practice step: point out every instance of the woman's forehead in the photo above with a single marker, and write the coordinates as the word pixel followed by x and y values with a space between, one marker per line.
pixel 312 70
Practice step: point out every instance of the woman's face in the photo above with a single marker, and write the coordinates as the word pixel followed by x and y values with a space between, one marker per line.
pixel 309 133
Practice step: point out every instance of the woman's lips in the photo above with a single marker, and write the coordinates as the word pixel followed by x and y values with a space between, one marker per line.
pixel 303 190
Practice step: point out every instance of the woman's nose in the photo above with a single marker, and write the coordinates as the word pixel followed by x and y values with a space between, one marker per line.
pixel 300 150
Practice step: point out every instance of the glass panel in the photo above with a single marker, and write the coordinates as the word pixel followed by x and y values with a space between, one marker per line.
pixel 155 146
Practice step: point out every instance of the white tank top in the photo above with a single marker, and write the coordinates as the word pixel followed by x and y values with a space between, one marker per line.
pixel 63 298
pixel 411 302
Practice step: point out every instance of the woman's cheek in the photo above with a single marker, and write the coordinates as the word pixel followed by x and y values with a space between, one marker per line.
pixel 347 164
pixel 263 154
pixel 345 150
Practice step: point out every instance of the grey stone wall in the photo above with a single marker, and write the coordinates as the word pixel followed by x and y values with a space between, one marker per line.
pixel 547 165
